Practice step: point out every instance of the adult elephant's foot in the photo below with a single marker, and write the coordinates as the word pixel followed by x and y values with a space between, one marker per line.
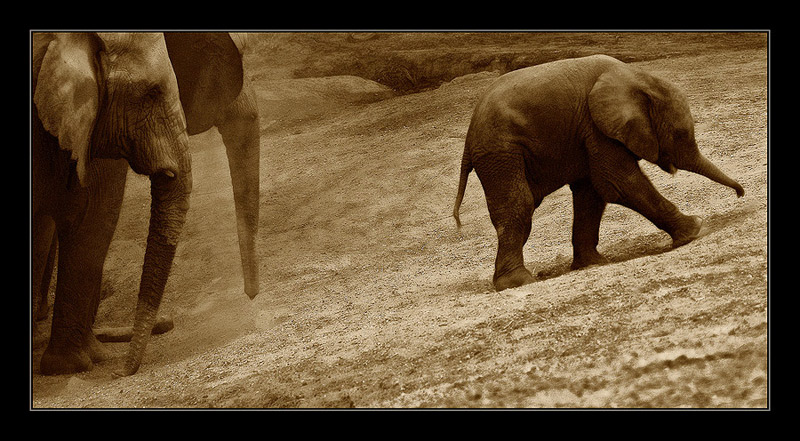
pixel 97 351
pixel 518 277
pixel 57 362
pixel 60 360
pixel 588 258
pixel 689 231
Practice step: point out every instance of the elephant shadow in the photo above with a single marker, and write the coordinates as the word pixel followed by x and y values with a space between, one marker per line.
pixel 651 244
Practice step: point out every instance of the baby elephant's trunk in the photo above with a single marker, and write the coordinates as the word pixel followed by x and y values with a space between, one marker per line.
pixel 703 166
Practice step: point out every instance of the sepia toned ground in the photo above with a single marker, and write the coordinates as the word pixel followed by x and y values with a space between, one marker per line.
pixel 370 296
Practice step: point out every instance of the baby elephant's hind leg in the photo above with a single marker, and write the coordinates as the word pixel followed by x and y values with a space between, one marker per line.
pixel 511 205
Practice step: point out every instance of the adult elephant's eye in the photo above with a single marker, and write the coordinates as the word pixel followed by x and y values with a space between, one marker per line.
pixel 153 93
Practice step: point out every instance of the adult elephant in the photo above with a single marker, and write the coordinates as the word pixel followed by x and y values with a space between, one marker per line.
pixel 585 122
pixel 103 102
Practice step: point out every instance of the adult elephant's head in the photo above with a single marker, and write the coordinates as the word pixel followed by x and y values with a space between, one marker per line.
pixel 115 95
pixel 651 117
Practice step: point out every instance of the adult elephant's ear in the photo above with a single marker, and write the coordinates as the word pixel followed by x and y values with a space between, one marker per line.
pixel 210 75
pixel 66 94
pixel 619 104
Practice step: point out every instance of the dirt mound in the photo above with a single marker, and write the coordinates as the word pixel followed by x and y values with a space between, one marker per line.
pixel 287 101
pixel 413 62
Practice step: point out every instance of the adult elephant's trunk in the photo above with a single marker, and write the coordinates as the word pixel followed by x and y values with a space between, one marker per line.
pixel 240 133
pixel 170 202
pixel 244 167
pixel 703 166
pixel 215 92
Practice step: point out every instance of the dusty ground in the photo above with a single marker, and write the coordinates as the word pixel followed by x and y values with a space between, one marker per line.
pixel 371 298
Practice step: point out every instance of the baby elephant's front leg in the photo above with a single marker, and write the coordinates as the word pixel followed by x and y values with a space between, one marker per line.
pixel 588 209
pixel 639 194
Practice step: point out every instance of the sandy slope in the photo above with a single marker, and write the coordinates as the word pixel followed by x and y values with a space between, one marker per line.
pixel 372 298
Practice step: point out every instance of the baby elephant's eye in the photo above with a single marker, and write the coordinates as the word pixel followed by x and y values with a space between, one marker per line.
pixel 680 135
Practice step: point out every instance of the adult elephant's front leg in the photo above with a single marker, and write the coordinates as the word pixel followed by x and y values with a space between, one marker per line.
pixel 83 242
pixel 72 346
pixel 43 247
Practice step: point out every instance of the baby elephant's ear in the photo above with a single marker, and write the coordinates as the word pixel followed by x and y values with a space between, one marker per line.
pixel 66 92
pixel 619 104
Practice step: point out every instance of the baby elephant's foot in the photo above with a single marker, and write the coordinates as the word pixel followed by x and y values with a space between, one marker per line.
pixel 584 259
pixel 687 233
pixel 515 278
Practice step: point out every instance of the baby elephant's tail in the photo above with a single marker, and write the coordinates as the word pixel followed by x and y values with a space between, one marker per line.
pixel 466 168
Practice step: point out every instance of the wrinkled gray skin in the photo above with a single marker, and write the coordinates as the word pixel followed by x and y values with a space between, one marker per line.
pixel 584 122
pixel 106 101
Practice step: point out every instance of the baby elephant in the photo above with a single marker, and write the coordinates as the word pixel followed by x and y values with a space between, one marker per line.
pixel 585 122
